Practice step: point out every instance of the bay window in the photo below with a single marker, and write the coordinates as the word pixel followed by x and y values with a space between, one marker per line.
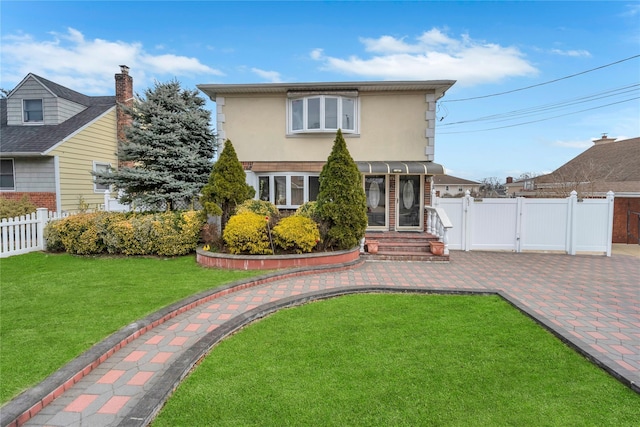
pixel 288 190
pixel 322 113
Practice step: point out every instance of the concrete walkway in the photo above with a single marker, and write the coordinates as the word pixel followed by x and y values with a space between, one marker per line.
pixel 591 302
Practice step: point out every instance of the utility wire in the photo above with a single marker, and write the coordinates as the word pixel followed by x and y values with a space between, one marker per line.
pixel 542 84
pixel 541 120
pixel 550 107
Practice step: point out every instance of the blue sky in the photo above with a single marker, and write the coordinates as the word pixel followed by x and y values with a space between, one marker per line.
pixel 488 47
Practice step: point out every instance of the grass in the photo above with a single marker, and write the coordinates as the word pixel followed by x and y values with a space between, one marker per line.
pixel 400 360
pixel 54 307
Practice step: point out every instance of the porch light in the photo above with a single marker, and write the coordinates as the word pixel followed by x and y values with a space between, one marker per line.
pixel 397 170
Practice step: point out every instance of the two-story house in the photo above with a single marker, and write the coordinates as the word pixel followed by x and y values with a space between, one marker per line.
pixel 453 186
pixel 52 138
pixel 284 132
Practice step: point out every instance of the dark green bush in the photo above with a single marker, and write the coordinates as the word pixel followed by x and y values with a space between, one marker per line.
pixel 342 201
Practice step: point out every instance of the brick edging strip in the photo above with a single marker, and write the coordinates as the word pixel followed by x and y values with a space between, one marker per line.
pixel 146 410
pixel 27 404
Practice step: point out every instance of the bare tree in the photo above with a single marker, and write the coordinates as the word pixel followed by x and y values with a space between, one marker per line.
pixel 491 187
pixel 584 179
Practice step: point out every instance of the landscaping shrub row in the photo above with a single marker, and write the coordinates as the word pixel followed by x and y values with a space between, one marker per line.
pixel 166 234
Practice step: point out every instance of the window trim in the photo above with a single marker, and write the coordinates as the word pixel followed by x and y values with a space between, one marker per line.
pixel 288 176
pixel 95 184
pixel 13 175
pixel 24 111
pixel 322 129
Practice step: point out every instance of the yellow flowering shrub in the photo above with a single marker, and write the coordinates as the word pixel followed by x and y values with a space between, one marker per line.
pixel 79 234
pixel 176 233
pixel 166 234
pixel 298 233
pixel 247 233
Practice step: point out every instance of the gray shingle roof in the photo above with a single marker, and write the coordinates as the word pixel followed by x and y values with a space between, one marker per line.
pixel 39 139
pixel 609 166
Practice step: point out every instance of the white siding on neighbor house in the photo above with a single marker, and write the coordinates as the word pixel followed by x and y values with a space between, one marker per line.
pixel 55 110
pixel 95 143
pixel 393 126
pixel 34 174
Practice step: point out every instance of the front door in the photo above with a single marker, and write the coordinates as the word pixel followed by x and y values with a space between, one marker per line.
pixel 375 187
pixel 408 202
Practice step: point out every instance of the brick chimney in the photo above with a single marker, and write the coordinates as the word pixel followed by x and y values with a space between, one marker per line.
pixel 124 96
pixel 604 139
pixel 509 180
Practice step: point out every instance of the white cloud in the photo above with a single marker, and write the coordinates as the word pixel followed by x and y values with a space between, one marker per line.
pixel 574 144
pixel 271 76
pixel 433 55
pixel 575 53
pixel 88 65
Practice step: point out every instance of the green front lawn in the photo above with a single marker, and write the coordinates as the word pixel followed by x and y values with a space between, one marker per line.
pixel 54 307
pixel 399 360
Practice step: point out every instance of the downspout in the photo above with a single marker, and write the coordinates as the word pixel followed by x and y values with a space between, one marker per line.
pixel 56 172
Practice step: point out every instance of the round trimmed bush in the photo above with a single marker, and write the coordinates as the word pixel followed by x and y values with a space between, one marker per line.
pixel 247 233
pixel 297 233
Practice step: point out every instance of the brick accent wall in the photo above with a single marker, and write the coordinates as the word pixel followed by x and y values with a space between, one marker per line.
pixel 40 199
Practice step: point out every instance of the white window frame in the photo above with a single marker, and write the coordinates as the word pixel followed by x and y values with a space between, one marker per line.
pixel 13 174
pixel 32 122
pixel 287 175
pixel 96 186
pixel 322 129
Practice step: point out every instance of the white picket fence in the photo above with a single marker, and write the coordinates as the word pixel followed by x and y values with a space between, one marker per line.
pixel 568 225
pixel 25 233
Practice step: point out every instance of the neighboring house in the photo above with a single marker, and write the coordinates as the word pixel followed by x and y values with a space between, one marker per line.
pixel 608 165
pixel 452 186
pixel 283 134
pixel 514 188
pixel 52 138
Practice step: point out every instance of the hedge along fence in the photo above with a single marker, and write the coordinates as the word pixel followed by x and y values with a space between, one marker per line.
pixel 166 234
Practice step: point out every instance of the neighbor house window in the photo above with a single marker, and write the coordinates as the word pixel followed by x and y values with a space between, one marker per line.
pixel 288 190
pixel 32 109
pixel 100 168
pixel 322 113
pixel 7 177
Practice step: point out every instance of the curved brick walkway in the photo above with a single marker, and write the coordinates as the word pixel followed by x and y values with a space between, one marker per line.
pixel 591 302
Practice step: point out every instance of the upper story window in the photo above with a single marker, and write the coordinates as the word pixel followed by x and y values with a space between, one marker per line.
pixel 7 177
pixel 32 111
pixel 322 113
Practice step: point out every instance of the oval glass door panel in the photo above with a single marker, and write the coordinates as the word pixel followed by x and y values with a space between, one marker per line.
pixel 376 190
pixel 409 201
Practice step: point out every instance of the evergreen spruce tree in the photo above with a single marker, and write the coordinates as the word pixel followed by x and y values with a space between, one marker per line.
pixel 342 201
pixel 166 157
pixel 227 186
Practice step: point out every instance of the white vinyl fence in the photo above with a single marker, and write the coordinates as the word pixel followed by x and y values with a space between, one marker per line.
pixel 568 225
pixel 113 205
pixel 25 233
